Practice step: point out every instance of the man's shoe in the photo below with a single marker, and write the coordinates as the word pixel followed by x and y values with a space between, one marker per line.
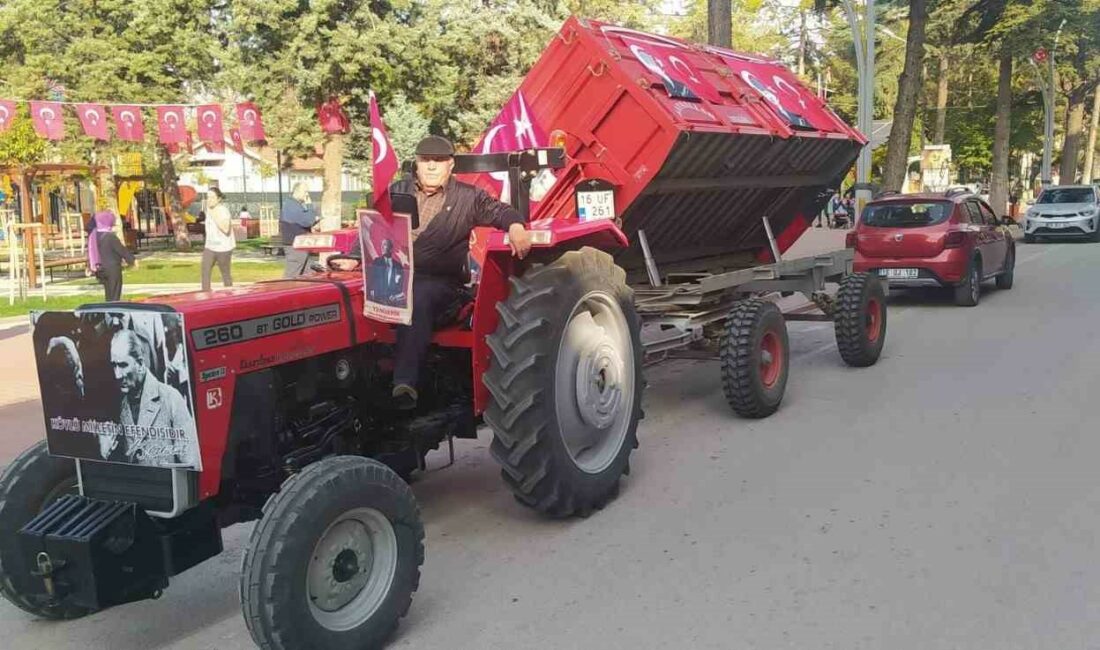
pixel 404 397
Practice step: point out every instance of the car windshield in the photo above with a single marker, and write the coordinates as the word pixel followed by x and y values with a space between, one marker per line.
pixel 906 215
pixel 1067 195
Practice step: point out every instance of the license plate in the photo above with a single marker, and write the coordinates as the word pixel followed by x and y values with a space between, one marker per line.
pixel 899 274
pixel 1055 225
pixel 593 206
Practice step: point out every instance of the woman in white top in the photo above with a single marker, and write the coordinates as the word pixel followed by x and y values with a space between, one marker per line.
pixel 220 240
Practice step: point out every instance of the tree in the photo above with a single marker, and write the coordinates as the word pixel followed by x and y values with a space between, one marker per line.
pixel 905 108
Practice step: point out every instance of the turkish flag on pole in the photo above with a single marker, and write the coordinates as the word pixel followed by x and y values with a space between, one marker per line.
pixel 170 124
pixel 94 120
pixel 250 124
pixel 47 120
pixel 209 118
pixel 383 162
pixel 332 117
pixel 7 114
pixel 238 143
pixel 128 123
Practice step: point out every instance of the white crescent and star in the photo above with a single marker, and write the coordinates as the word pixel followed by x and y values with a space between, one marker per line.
pixel 126 117
pixel 4 114
pixel 249 117
pixel 92 115
pixel 172 119
pixel 780 82
pixel 208 117
pixel 47 113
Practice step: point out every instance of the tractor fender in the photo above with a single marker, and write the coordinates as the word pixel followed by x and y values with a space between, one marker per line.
pixel 492 264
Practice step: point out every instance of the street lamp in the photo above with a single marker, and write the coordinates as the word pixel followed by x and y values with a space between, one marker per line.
pixel 864 41
pixel 1047 88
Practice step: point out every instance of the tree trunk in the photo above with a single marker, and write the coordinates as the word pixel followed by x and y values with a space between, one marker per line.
pixel 720 23
pixel 802 43
pixel 333 159
pixel 941 100
pixel 905 108
pixel 998 193
pixel 1090 152
pixel 172 187
pixel 1075 122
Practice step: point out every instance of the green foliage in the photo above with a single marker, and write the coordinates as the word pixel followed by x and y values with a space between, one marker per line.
pixel 20 145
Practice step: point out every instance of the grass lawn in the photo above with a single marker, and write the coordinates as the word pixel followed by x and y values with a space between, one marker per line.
pixel 168 271
pixel 58 303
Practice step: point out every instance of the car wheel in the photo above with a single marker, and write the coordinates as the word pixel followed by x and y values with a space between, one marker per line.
pixel 969 292
pixel 1004 280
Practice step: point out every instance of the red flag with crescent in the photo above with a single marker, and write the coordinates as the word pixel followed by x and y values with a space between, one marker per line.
pixel 7 114
pixel 128 124
pixel 238 142
pixel 249 122
pixel 209 119
pixel 93 118
pixel 47 120
pixel 170 124
pixel 383 163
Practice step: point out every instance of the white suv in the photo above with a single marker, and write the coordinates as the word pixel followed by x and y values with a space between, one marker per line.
pixel 1064 211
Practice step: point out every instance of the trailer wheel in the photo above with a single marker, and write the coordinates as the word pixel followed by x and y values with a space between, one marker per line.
pixel 860 320
pixel 335 560
pixel 566 379
pixel 32 481
pixel 755 358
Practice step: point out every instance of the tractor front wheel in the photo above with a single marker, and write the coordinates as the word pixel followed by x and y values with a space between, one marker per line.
pixel 32 481
pixel 566 380
pixel 335 560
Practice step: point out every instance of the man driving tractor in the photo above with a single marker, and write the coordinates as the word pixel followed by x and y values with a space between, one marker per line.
pixel 449 210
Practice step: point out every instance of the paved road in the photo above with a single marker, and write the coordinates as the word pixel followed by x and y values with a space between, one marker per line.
pixel 945 498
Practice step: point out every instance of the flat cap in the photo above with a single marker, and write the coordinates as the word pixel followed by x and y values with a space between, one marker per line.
pixel 434 145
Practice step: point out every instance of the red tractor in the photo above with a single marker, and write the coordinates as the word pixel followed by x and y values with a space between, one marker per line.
pixel 273 402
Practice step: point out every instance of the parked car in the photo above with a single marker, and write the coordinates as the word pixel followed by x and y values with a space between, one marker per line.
pixel 1064 212
pixel 951 240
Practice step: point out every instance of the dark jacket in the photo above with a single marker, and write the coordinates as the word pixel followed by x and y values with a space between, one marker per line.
pixel 112 252
pixel 441 249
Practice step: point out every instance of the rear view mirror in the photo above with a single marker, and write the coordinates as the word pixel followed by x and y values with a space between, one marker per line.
pixel 406 204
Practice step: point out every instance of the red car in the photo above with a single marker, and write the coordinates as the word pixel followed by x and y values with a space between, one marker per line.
pixel 940 240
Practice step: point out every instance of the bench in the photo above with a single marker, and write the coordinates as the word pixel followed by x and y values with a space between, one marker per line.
pixel 63 263
pixel 272 248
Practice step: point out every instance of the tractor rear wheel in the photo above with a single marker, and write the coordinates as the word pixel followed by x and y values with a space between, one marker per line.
pixel 335 560
pixel 32 481
pixel 566 380
pixel 755 358
pixel 860 319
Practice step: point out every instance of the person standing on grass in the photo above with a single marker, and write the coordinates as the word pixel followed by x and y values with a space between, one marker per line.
pixel 220 240
pixel 298 217
pixel 106 254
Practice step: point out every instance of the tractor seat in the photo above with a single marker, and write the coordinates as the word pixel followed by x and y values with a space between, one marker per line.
pixel 459 314
pixel 454 326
